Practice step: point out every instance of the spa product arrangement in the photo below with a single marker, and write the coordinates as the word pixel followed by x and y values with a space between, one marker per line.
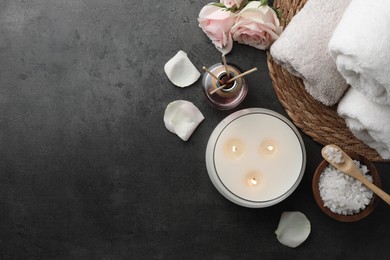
pixel 338 68
pixel 245 149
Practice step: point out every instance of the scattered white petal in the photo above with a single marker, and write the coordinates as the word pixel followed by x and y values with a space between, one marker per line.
pixel 181 71
pixel 293 228
pixel 170 112
pixel 182 118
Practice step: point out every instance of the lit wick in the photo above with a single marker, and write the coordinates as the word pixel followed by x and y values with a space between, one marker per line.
pixel 268 148
pixel 234 148
pixel 253 181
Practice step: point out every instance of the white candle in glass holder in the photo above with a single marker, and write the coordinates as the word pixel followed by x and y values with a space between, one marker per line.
pixel 255 157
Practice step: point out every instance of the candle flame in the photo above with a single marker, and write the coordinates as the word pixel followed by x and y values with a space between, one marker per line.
pixel 253 181
pixel 268 148
pixel 234 148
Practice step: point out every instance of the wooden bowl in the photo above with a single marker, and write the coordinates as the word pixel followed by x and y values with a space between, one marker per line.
pixel 361 214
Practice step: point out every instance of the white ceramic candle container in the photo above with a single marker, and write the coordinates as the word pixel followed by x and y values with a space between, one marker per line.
pixel 255 157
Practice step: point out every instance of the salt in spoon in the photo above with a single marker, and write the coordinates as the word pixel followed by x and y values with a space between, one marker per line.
pixel 347 166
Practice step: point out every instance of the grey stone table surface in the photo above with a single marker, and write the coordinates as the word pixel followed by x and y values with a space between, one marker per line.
pixel 87 168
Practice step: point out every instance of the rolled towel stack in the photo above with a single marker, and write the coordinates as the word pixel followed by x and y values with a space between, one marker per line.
pixel 302 49
pixel 367 120
pixel 360 46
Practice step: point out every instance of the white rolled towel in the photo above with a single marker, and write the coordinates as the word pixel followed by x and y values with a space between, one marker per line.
pixel 367 120
pixel 361 47
pixel 302 49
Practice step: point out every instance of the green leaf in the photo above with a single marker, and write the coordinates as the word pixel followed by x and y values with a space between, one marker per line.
pixel 278 13
pixel 232 9
pixel 221 5
pixel 263 2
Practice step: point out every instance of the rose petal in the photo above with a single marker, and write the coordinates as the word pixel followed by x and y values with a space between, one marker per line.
pixel 293 228
pixel 213 13
pixel 216 24
pixel 182 118
pixel 256 26
pixel 181 71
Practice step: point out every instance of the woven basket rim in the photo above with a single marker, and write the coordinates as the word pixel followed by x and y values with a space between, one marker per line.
pixel 320 122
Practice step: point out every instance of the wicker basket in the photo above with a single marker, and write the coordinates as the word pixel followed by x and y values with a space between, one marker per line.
pixel 315 119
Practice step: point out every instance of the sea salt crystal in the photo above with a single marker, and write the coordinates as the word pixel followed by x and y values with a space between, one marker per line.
pixel 333 154
pixel 343 194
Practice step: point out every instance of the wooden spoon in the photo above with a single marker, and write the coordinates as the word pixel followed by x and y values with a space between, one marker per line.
pixel 349 168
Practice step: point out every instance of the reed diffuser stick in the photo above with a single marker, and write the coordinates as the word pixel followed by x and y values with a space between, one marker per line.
pixel 232 79
pixel 226 67
pixel 212 75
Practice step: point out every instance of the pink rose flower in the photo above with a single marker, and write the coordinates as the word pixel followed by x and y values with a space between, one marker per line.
pixel 231 3
pixel 257 26
pixel 216 24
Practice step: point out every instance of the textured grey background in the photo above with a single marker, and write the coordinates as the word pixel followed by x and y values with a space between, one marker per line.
pixel 87 168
